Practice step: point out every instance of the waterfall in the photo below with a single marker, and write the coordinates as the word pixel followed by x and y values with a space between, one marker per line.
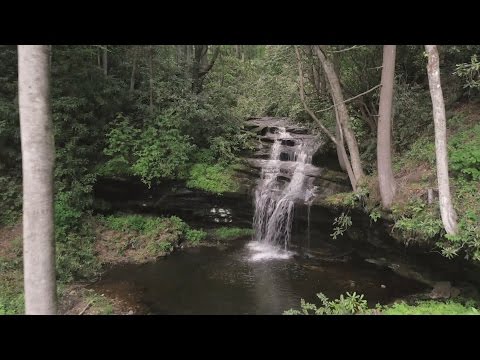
pixel 284 182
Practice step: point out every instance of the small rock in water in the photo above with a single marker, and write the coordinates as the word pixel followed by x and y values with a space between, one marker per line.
pixel 383 286
pixel 130 312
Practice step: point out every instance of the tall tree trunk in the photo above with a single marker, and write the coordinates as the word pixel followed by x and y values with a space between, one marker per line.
pixel 384 144
pixel 448 214
pixel 150 68
pixel 36 130
pixel 337 139
pixel 134 68
pixel 238 52
pixel 343 116
pixel 105 60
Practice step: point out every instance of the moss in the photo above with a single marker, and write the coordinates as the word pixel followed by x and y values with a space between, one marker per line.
pixel 231 233
pixel 216 179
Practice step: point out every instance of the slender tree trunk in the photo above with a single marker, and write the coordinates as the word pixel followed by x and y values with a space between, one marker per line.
pixel 339 145
pixel 134 68
pixel 237 52
pixel 336 92
pixel 36 130
pixel 337 139
pixel 150 68
pixel 105 60
pixel 384 144
pixel 448 214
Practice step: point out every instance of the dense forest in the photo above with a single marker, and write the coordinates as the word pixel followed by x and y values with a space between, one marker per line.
pixel 402 122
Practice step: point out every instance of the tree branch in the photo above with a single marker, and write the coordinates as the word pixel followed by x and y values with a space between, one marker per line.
pixel 347 49
pixel 352 98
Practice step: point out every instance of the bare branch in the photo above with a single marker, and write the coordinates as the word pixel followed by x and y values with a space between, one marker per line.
pixel 352 98
pixel 347 49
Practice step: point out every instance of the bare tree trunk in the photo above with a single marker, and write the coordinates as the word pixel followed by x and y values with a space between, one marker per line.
pixel 336 92
pixel 134 68
pixel 37 164
pixel 339 144
pixel 105 60
pixel 448 214
pixel 384 144
pixel 150 68
pixel 237 52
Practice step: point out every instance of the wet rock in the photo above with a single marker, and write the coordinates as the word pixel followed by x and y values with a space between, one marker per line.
pixel 383 286
pixel 441 290
pixel 130 312
pixel 454 292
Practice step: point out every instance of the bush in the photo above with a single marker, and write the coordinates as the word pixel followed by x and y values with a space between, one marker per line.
pixel 217 179
pixel 345 305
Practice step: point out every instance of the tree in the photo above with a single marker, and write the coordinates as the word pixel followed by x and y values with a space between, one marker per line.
pixel 384 148
pixel 338 138
pixel 447 212
pixel 36 130
pixel 339 103
pixel 201 66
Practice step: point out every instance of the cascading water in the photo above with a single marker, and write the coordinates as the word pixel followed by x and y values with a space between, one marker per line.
pixel 284 181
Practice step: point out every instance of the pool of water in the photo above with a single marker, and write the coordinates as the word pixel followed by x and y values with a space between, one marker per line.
pixel 246 279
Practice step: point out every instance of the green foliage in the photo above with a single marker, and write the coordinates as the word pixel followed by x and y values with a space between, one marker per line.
pixel 375 215
pixel 162 153
pixel 212 178
pixel 432 308
pixel 99 303
pixel 11 302
pixel 470 73
pixel 349 304
pixel 11 200
pixel 74 240
pixel 417 221
pixel 231 233
pixel 173 228
pixel 464 154
pixel 341 224
pixel 195 236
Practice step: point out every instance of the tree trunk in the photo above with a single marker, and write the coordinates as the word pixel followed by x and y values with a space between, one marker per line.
pixel 384 148
pixel 105 60
pixel 237 52
pixel 337 139
pixel 36 130
pixel 134 68
pixel 339 145
pixel 201 66
pixel 150 68
pixel 343 116
pixel 448 214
